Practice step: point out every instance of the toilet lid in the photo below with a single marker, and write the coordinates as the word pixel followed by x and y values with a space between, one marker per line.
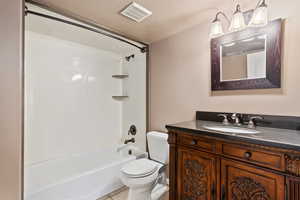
pixel 139 168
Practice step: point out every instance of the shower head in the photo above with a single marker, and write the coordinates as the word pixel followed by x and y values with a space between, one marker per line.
pixel 129 57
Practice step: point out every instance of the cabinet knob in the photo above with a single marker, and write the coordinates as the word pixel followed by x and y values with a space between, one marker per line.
pixel 193 142
pixel 247 154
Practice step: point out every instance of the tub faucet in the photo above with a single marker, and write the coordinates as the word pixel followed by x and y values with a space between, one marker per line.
pixel 121 147
pixel 132 140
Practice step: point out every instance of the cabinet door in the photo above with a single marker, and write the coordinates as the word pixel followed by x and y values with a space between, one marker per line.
pixel 196 178
pixel 244 182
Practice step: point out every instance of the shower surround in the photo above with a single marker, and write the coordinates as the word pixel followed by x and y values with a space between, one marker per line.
pixel 73 126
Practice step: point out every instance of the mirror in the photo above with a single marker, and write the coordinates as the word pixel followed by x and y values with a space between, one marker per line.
pixel 247 59
pixel 244 59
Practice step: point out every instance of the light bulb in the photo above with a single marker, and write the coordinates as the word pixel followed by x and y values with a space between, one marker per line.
pixel 260 16
pixel 216 29
pixel 238 20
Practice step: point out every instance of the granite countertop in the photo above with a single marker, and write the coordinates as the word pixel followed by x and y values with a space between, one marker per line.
pixel 283 138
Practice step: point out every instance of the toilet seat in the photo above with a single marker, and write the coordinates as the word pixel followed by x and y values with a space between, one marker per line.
pixel 139 168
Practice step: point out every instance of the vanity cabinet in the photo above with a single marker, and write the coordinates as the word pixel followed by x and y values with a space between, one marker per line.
pixel 204 167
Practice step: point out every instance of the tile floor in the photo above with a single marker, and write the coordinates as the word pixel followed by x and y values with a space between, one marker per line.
pixel 117 195
pixel 122 195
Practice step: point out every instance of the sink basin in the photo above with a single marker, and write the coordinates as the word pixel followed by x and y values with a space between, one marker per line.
pixel 230 129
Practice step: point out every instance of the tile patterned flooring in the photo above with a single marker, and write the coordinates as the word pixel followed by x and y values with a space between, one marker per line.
pixel 117 195
pixel 122 195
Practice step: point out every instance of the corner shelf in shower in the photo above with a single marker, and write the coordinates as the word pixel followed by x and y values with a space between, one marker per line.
pixel 120 97
pixel 121 76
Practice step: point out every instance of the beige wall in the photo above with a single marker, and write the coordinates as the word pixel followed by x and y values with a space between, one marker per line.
pixel 180 75
pixel 11 99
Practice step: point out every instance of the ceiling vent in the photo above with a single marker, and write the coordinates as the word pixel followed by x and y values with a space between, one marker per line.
pixel 136 12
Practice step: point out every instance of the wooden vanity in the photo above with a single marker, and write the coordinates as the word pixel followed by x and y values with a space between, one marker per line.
pixel 206 165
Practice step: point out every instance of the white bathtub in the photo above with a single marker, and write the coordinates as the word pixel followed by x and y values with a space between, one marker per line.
pixel 78 177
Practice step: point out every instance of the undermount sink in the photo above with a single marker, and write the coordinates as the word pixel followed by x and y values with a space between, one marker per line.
pixel 230 129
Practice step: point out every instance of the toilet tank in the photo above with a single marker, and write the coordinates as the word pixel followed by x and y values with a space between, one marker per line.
pixel 158 146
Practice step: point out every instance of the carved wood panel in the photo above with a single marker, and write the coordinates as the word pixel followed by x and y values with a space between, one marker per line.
pixel 245 182
pixel 245 188
pixel 196 175
pixel 195 179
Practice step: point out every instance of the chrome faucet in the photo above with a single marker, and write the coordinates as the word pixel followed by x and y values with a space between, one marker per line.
pixel 236 119
pixel 132 140
pixel 225 120
pixel 251 123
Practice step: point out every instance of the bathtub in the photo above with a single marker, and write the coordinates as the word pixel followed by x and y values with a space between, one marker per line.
pixel 76 177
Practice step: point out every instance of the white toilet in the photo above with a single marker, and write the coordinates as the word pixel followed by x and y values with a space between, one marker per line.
pixel 146 178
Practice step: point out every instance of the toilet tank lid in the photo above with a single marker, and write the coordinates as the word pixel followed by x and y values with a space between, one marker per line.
pixel 158 134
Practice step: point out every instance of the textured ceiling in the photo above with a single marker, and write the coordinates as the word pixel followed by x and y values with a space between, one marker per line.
pixel 169 16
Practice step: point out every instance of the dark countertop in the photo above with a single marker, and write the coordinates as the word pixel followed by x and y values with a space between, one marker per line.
pixel 283 138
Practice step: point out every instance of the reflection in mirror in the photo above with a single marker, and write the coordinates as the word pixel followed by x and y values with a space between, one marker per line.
pixel 244 59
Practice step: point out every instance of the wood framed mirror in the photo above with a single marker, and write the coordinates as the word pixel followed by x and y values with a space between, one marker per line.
pixel 247 59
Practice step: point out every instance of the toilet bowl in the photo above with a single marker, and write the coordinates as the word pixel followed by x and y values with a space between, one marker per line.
pixel 142 178
pixel 146 178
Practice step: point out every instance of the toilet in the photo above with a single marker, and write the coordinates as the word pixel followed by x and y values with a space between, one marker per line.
pixel 146 178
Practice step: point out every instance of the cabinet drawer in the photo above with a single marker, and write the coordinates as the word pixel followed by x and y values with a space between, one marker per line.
pixel 260 157
pixel 198 143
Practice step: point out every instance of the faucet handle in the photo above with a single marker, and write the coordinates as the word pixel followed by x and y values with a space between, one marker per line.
pixel 251 123
pixel 225 121
pixel 234 116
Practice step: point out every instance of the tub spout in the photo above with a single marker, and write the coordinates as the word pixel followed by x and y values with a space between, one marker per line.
pixel 123 146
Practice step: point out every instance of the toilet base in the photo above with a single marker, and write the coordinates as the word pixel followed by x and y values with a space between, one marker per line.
pixel 148 193
pixel 140 193
pixel 159 191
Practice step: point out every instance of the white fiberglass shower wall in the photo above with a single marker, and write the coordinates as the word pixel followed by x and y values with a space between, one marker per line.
pixel 73 125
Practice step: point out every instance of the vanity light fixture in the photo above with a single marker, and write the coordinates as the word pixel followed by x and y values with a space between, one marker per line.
pixel 216 26
pixel 260 14
pixel 238 20
pixel 259 18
